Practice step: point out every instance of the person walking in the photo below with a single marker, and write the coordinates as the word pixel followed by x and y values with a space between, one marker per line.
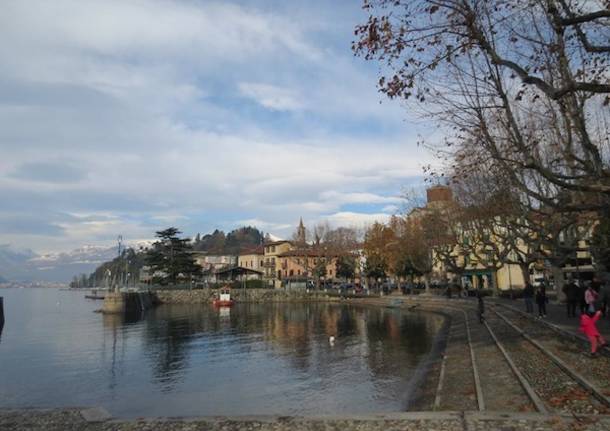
pixel 571 292
pixel 528 297
pixel 481 306
pixel 541 300
pixel 581 297
pixel 591 298
pixel 589 328
pixel 604 299
pixel 596 284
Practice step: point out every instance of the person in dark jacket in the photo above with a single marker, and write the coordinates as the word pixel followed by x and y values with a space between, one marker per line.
pixel 571 292
pixel 541 300
pixel 581 297
pixel 528 297
pixel 481 306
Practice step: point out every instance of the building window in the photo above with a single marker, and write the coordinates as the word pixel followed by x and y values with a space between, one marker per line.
pixel 298 272
pixel 291 272
pixel 272 249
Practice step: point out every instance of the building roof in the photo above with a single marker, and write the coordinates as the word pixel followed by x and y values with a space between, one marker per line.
pixel 282 241
pixel 237 270
pixel 305 253
pixel 253 250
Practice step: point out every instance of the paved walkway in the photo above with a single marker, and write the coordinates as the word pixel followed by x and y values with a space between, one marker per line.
pixel 74 419
pixel 557 315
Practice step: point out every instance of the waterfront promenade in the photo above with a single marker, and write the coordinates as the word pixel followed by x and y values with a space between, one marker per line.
pixel 509 372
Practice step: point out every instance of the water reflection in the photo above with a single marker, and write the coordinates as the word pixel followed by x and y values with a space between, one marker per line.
pixel 386 338
pixel 197 360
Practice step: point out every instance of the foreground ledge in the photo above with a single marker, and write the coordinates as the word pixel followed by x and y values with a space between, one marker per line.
pixel 99 419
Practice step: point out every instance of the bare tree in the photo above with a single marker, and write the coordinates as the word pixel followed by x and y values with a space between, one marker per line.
pixel 524 82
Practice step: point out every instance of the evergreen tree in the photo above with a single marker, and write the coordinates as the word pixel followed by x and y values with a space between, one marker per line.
pixel 346 266
pixel 170 257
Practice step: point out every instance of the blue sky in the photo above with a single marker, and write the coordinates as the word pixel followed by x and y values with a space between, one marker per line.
pixel 127 116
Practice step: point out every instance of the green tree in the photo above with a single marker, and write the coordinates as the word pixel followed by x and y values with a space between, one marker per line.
pixel 170 257
pixel 346 266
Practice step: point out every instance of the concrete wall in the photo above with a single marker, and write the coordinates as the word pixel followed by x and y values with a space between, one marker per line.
pixel 202 296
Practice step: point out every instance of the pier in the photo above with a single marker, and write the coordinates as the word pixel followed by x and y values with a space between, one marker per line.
pixel 127 302
pixel 1 314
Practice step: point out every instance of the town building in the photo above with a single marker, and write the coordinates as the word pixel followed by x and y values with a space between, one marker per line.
pixel 273 273
pixel 253 258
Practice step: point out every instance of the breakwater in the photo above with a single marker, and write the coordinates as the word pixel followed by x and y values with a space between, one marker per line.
pixel 204 296
pixel 127 302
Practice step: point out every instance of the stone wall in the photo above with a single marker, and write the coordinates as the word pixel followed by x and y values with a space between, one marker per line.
pixel 201 296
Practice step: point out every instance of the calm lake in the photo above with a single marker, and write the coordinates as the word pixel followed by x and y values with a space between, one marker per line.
pixel 196 360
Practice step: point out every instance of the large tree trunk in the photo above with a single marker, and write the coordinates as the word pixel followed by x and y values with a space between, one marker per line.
pixel 558 282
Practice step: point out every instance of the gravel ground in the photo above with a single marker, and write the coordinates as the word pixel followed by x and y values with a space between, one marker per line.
pixel 596 370
pixel 71 419
pixel 558 390
pixel 458 392
pixel 494 373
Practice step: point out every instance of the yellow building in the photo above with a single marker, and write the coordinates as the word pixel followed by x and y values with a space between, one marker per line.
pixel 271 250
pixel 252 259
pixel 300 263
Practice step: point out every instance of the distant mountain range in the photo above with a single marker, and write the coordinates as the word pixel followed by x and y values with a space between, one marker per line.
pixel 25 265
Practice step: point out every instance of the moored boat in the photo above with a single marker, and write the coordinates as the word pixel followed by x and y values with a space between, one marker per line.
pixel 224 299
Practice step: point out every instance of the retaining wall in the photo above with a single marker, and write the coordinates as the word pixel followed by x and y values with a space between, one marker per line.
pixel 202 296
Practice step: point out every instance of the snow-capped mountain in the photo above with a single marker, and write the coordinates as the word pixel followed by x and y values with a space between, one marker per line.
pixel 25 265
pixel 274 237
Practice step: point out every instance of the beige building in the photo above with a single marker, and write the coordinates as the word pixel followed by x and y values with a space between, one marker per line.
pixel 252 259
pixel 272 270
pixel 300 263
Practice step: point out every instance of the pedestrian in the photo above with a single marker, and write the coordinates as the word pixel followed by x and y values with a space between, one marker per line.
pixel 528 297
pixel 541 300
pixel 595 284
pixel 581 297
pixel 589 328
pixel 571 292
pixel 591 298
pixel 481 306
pixel 604 299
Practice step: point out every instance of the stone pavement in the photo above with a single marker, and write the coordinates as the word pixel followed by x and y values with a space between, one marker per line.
pixel 73 419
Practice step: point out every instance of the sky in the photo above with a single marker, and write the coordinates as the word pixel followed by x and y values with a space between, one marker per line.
pixel 129 116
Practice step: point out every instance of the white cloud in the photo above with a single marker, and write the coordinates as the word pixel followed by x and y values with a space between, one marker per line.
pixel 271 96
pixel 392 209
pixel 357 220
pixel 140 105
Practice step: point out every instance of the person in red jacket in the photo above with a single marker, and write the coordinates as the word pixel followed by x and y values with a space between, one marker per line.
pixel 588 327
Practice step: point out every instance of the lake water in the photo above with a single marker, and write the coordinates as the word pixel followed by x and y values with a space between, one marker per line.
pixel 196 360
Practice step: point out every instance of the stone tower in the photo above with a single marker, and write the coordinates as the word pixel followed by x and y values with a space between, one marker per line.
pixel 301 238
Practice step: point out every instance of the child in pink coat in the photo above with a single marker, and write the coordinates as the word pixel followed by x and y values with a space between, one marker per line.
pixel 588 327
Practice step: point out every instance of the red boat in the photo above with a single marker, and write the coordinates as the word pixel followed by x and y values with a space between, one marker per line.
pixel 224 300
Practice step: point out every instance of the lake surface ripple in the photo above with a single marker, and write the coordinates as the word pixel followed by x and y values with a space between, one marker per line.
pixel 196 360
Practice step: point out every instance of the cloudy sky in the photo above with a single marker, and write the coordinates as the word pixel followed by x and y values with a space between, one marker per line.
pixel 127 116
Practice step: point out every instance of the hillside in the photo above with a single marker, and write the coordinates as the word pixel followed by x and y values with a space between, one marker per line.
pixel 232 243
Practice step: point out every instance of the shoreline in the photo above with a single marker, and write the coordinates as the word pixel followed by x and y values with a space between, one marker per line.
pixel 97 419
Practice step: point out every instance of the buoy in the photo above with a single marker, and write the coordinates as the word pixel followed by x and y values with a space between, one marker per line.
pixel 331 340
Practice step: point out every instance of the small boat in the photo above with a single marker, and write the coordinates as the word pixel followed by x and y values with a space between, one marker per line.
pixel 224 299
pixel 95 295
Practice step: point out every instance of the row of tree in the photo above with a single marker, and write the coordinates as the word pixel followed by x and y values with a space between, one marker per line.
pixel 232 243
pixel 522 91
